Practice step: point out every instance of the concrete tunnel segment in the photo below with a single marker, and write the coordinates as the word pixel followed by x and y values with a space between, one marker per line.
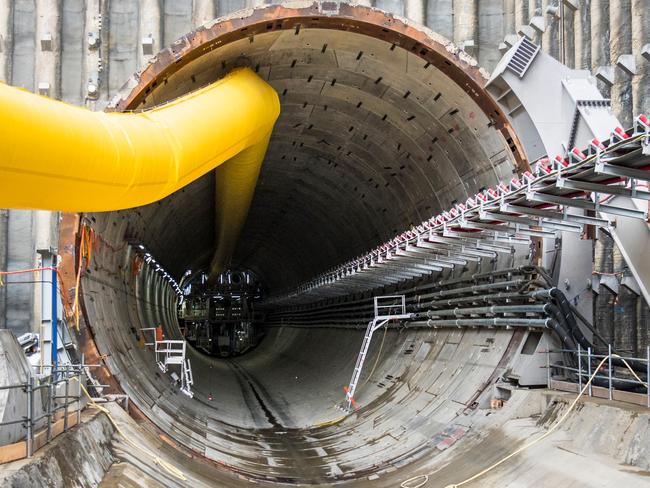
pixel 383 124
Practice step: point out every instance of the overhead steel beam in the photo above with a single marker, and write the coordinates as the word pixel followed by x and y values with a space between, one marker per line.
pixel 602 189
pixel 553 215
pixel 610 169
pixel 577 203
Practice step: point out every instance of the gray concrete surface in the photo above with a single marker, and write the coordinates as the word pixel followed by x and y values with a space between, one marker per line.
pixel 78 458
pixel 15 370
pixel 261 422
pixel 580 453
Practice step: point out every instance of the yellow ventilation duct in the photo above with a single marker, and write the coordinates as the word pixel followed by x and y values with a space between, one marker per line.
pixel 61 157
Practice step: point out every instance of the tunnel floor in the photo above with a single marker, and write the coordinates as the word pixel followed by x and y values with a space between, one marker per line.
pixel 382 125
pixel 572 457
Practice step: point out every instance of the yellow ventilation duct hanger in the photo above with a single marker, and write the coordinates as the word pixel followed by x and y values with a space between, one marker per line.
pixel 57 156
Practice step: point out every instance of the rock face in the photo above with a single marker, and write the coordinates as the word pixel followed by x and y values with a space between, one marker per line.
pixel 78 458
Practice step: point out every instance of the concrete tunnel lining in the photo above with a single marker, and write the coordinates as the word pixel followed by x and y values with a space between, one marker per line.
pixel 403 139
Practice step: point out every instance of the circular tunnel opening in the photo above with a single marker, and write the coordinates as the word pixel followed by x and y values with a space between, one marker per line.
pixel 383 124
pixel 219 317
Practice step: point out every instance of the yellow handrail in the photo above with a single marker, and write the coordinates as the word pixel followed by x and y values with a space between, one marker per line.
pixel 57 156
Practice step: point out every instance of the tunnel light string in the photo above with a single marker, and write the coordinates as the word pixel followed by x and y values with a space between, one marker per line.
pixel 423 479
pixel 170 468
pixel 89 239
pixel 38 270
pixel 85 249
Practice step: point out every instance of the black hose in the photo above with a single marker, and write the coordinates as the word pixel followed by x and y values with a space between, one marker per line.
pixel 576 331
pixel 564 335
pixel 589 326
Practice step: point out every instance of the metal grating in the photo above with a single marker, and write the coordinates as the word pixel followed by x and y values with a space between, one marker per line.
pixel 523 57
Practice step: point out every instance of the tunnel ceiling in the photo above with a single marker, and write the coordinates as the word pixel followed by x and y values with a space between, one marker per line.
pixel 382 126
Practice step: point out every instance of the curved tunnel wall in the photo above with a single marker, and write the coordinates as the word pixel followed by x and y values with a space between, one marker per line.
pixel 260 415
pixel 382 126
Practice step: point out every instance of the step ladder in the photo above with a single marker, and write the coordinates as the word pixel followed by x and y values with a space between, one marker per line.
pixel 187 379
pixel 387 308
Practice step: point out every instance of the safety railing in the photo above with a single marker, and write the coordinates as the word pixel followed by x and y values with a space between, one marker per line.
pixel 389 305
pixel 169 352
pixel 617 374
pixel 54 399
pixel 172 352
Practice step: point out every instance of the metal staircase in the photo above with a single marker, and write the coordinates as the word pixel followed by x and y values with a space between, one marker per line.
pixel 387 308
pixel 187 379
pixel 172 352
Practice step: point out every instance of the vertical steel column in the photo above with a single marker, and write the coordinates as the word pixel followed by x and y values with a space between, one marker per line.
pixel 204 10
pixel 568 35
pixel 79 391
pixel 6 31
pixel 582 29
pixel 589 367
pixel 579 368
pixel 521 14
pixel 609 355
pixel 413 9
pixel 49 409
pixel 640 37
pixel 55 300
pixel 549 39
pixel 30 414
pixel 65 406
pixel 599 22
pixel 4 246
pixel 47 68
pixel 466 23
pixel 647 372
pixel 620 20
pixel 561 35
pixel 509 17
pixel 150 26
pixel 548 365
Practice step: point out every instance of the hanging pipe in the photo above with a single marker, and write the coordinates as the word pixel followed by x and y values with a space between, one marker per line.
pixel 472 289
pixel 494 321
pixel 487 310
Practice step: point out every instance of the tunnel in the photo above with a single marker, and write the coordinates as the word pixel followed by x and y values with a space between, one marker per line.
pixel 383 124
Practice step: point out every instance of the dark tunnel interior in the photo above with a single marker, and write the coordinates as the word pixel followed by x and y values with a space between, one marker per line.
pixel 372 139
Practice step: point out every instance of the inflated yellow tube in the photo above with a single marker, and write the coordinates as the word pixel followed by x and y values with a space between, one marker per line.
pixel 61 157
